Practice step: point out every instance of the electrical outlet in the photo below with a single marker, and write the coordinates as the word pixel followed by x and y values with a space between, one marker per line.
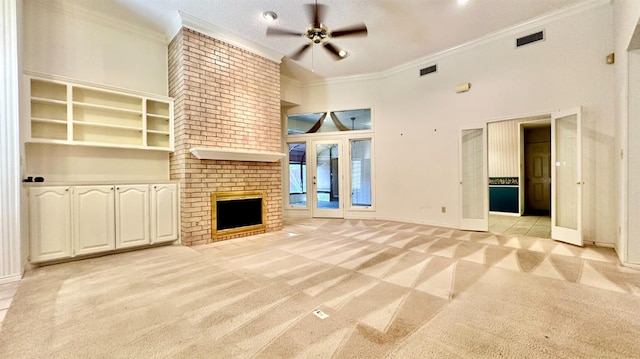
pixel 443 209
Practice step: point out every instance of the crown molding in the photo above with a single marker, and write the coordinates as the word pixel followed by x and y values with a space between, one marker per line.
pixel 218 33
pixel 71 10
pixel 517 29
pixel 289 81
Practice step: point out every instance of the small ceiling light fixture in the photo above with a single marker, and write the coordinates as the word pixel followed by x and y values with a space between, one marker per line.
pixel 270 15
pixel 462 2
pixel 343 53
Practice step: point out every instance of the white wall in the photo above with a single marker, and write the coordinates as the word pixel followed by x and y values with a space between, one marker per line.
pixel 626 16
pixel 66 41
pixel 417 119
pixel 63 40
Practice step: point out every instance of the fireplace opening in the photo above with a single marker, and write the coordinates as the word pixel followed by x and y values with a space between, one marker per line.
pixel 237 212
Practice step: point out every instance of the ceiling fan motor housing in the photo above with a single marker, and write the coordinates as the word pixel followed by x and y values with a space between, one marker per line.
pixel 317 34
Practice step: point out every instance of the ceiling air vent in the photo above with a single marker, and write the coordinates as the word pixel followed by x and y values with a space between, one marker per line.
pixel 529 39
pixel 428 70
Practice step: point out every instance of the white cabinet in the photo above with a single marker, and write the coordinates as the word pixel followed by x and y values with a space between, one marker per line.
pixel 93 219
pixel 164 212
pixel 50 223
pixel 132 215
pixel 67 221
pixel 67 112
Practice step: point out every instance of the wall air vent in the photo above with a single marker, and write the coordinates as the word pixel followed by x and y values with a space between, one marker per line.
pixel 429 70
pixel 529 39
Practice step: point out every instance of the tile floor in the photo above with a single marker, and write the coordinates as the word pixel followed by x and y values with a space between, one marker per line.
pixel 531 226
pixel 7 291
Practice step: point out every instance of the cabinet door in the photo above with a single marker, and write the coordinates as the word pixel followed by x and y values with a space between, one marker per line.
pixel 49 223
pixel 164 212
pixel 93 219
pixel 132 215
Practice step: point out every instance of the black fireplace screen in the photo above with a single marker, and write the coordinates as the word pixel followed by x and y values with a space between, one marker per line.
pixel 237 213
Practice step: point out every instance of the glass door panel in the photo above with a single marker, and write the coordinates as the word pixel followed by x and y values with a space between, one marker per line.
pixel 298 174
pixel 473 180
pixel 327 179
pixel 361 173
pixel 566 178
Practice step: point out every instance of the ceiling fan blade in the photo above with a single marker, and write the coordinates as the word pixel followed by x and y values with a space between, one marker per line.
pixel 272 31
pixel 316 13
pixel 355 30
pixel 296 56
pixel 333 50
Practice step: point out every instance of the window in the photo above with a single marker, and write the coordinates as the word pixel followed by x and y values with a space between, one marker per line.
pixel 298 174
pixel 333 121
pixel 361 173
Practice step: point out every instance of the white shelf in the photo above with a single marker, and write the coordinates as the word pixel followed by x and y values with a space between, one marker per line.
pixel 165 133
pixel 163 117
pixel 47 101
pixel 105 125
pixel 69 112
pixel 108 108
pixel 48 120
pixel 226 154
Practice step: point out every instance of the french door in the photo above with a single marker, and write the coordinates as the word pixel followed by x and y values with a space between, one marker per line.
pixel 474 197
pixel 566 177
pixel 326 179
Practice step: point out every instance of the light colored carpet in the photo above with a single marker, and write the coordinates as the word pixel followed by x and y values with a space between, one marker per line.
pixel 390 289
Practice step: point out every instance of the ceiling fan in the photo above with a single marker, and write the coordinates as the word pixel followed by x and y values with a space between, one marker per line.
pixel 318 33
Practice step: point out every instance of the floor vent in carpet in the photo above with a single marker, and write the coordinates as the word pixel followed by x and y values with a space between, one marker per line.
pixel 320 314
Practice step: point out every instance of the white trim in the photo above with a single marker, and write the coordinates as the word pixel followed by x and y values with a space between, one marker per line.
pixel 68 8
pixel 10 189
pixel 289 81
pixel 518 29
pixel 216 32
pixel 10 279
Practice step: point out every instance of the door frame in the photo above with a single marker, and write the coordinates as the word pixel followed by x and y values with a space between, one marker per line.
pixel 521 158
pixel 345 138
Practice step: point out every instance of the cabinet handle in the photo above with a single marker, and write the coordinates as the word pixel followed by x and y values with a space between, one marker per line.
pixel 118 188
pixel 66 190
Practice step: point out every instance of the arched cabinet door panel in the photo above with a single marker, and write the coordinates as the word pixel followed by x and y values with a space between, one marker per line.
pixel 50 223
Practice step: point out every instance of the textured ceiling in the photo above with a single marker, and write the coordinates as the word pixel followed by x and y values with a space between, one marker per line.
pixel 399 30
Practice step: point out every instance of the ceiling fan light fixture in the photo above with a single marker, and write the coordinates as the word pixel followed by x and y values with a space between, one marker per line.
pixel 270 15
pixel 343 53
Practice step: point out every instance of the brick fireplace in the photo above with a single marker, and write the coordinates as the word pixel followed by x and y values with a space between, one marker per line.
pixel 225 98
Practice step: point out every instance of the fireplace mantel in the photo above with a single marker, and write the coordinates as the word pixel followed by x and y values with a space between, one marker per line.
pixel 228 154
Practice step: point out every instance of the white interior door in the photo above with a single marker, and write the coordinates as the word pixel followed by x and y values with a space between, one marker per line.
pixel 474 196
pixel 566 177
pixel 326 179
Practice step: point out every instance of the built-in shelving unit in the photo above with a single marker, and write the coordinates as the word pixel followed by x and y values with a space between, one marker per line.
pixel 65 112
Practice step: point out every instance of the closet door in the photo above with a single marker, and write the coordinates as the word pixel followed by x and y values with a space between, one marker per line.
pixel 474 188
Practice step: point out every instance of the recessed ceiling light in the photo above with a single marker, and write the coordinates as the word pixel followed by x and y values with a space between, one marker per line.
pixel 462 2
pixel 270 15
